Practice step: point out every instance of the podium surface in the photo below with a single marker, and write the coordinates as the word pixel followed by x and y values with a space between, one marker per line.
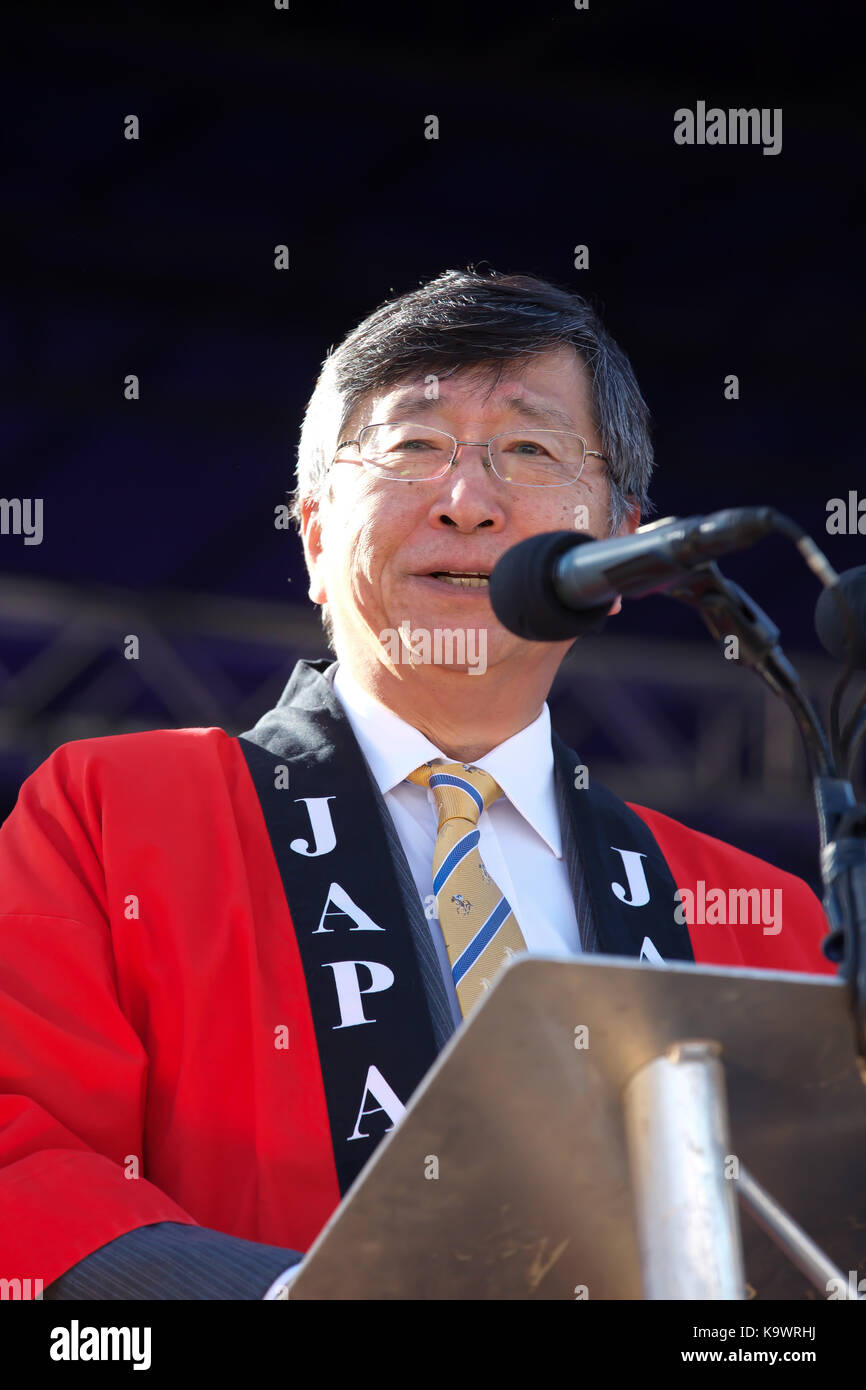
pixel 508 1177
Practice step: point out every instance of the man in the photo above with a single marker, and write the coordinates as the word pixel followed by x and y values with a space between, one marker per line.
pixel 227 963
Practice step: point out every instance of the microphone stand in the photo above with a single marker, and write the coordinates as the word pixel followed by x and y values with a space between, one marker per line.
pixel 727 610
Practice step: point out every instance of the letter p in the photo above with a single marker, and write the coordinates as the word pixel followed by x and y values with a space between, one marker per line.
pixel 349 988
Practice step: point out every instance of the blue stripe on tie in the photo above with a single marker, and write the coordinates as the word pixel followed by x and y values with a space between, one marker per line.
pixel 482 938
pixel 446 779
pixel 454 857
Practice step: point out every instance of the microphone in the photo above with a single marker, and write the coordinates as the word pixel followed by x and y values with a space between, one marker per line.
pixel 561 584
pixel 840 618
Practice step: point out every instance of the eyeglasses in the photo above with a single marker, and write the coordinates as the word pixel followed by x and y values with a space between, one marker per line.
pixel 411 453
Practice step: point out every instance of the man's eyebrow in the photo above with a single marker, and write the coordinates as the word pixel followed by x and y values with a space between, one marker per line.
pixel 543 415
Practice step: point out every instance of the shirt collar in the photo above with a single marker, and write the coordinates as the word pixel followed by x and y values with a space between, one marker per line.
pixel 522 765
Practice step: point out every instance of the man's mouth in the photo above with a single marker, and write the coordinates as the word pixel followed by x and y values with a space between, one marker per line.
pixel 464 579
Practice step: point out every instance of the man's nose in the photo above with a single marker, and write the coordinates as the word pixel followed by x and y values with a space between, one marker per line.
pixel 470 493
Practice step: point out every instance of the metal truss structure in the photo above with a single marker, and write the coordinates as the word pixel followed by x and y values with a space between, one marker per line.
pixel 671 725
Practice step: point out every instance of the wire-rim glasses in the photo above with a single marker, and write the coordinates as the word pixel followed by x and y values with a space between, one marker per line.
pixel 406 452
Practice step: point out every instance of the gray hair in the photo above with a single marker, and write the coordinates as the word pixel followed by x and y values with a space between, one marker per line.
pixel 473 322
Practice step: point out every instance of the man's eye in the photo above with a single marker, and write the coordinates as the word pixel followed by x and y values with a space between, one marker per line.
pixel 416 444
pixel 520 446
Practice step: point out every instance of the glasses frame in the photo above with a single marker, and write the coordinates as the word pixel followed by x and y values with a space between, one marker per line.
pixel 458 443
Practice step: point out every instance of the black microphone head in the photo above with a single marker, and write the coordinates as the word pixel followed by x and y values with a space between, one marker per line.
pixel 522 593
pixel 840 618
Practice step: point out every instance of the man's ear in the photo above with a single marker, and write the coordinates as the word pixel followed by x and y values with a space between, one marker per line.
pixel 627 527
pixel 631 520
pixel 311 537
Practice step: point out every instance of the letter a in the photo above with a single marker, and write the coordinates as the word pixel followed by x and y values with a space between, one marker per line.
pixel 377 1087
pixel 684 126
pixel 345 906
pixel 684 912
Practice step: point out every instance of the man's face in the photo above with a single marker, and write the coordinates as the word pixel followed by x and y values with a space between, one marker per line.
pixel 373 544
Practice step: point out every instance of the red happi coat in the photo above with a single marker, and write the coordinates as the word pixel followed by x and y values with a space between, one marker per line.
pixel 148 961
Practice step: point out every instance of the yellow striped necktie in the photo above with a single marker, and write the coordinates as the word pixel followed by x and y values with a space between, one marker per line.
pixel 479 928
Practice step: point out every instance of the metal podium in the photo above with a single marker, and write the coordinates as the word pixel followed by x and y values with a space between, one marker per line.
pixel 609 1129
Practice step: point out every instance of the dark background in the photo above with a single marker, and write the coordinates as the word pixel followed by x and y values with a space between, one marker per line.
pixel 306 127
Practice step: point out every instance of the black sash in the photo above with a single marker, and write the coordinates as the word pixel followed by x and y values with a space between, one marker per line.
pixel 371 1016
pixel 373 1027
pixel 631 888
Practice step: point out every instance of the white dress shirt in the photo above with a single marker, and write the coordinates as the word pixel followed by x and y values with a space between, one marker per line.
pixel 520 838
